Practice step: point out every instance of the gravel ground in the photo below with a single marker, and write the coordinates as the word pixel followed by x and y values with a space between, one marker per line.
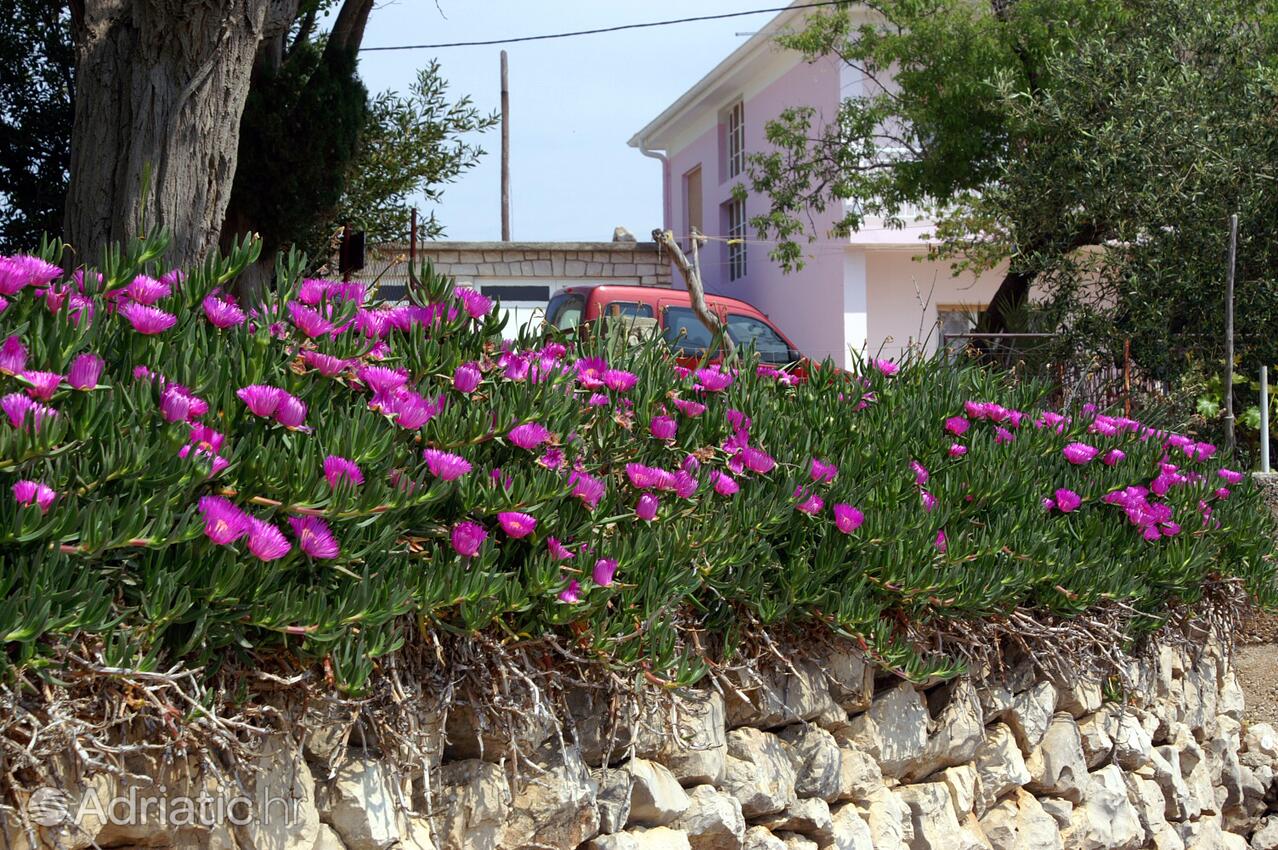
pixel 1257 668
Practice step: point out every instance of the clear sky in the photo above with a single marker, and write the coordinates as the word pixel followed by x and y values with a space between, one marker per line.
pixel 574 102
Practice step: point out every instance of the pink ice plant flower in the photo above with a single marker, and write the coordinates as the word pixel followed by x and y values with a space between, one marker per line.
pixel 724 484
pixel 309 321
pixel 957 425
pixel 382 380
pixel 445 466
pixel 475 304
pixel 757 460
pixel 885 367
pixel 1080 454
pixel 822 472
pixel 147 290
pixel 571 594
pixel 663 427
pixel 957 450
pixel 326 364
pixel 647 507
pixel 1067 501
pixel 808 503
pixel 467 537
pixel 691 409
pixel 85 371
pixel 224 523
pixel 558 550
pixel 921 475
pixel 712 379
pixel 941 543
pixel 619 381
pixel 338 469
pixel 649 477
pixel 13 356
pixel 17 406
pixel 602 574
pixel 529 436
pixel 261 399
pixel 314 537
pixel 517 524
pixel 847 518
pixel 43 384
pixel 23 270
pixel 291 413
pixel 1113 457
pixel 467 377
pixel 266 541
pixel 587 488
pixel 1229 476
pixel 28 493
pixel 147 320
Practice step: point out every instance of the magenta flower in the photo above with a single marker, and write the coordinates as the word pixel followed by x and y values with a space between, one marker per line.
pixel 757 460
pixel 685 484
pixel 605 569
pixel 590 372
pixel 266 541
pixel 146 290
pixel 223 312
pixel 823 472
pixel 885 367
pixel 529 436
pixel 920 473
pixel 1113 457
pixel 1230 476
pixel 618 380
pixel 382 380
pixel 1002 436
pixel 314 537
pixel 309 321
pixel 475 304
pixel 291 412
pixel 809 503
pixel 467 537
pixel 28 493
pixel 558 551
pixel 312 290
pixel 445 466
pixel 724 484
pixel 957 425
pixel 691 409
pixel 147 320
pixel 224 523
pixel 648 477
pixel 175 405
pixel 1068 501
pixel 646 510
pixel 847 518
pixel 941 543
pixel 326 364
pixel 17 405
pixel 572 593
pixel 1079 453
pixel 85 371
pixel 411 411
pixel 13 356
pixel 713 379
pixel 516 524
pixel 466 378
pixel 261 399
pixel 598 400
pixel 663 427
pixel 587 488
pixel 957 450
pixel 43 384
pixel 23 270
pixel 338 469
pixel 929 501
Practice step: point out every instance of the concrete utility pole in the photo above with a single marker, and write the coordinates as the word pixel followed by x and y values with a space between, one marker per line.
pixel 505 150
pixel 1230 438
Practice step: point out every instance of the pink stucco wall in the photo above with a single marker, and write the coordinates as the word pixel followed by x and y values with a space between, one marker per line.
pixel 808 304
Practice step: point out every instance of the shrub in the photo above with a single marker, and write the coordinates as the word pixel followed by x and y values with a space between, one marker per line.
pixel 322 477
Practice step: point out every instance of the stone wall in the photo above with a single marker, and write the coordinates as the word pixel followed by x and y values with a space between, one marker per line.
pixel 637 263
pixel 839 756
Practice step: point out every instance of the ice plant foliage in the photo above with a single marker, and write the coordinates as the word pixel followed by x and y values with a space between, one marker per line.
pixel 319 474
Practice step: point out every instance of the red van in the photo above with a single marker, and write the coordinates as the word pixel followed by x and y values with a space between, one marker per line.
pixel 672 309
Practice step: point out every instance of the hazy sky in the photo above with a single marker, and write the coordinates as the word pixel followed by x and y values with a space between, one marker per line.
pixel 574 102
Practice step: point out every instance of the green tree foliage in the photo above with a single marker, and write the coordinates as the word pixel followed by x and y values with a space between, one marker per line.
pixel 411 144
pixel 36 86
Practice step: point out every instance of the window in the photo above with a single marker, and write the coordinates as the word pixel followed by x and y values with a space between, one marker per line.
pixel 629 309
pixel 692 200
pixel 684 331
pixel 565 310
pixel 734 220
pixel 736 139
pixel 516 293
pixel 746 331
pixel 955 320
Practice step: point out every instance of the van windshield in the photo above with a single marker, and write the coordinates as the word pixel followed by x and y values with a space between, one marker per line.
pixel 565 310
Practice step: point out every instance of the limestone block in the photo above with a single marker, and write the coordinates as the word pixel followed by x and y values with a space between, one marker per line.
pixel 1060 810
pixel 1080 696
pixel 761 838
pixel 472 801
pixel 1057 765
pixel 327 839
pixel 816 759
pixel 1261 739
pixel 851 679
pixel 1151 807
pixel 887 816
pixel 1170 780
pixel 894 730
pixel 473 734
pixel 1231 703
pixel 694 747
pixel 612 797
pixel 1030 713
pixel 932 817
pixel 849 829
pixel 999 767
pixel 1266 835
pixel 1133 745
pixel 358 804
pixel 1019 822
pixel 961 783
pixel 1106 820
pixel 758 772
pixel 656 798
pixel 775 697
pixel 555 809
pixel 1096 731
pixel 957 731
pixel 660 838
pixel 712 821
pixel 859 774
pixel 284 784
pixel 809 817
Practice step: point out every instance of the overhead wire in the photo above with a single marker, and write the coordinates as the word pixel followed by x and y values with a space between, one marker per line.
pixel 600 30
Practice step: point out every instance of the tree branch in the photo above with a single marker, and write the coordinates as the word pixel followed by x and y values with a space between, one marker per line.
pixel 691 272
pixel 348 29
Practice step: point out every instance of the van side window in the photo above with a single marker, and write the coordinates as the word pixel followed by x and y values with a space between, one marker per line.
pixel 629 309
pixel 565 310
pixel 747 330
pixel 684 331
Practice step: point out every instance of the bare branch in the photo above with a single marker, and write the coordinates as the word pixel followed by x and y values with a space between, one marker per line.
pixel 691 272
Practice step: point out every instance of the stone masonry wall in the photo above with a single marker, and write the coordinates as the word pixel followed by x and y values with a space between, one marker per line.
pixel 835 757
pixel 639 263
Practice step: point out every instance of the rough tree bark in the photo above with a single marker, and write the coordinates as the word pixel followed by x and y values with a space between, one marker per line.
pixel 160 88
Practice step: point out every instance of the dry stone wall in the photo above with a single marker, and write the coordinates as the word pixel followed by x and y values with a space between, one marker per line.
pixel 831 757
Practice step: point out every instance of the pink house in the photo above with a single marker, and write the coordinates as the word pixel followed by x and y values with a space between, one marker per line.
pixel 874 291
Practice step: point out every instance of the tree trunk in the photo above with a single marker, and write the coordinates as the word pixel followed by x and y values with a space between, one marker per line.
pixel 160 88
